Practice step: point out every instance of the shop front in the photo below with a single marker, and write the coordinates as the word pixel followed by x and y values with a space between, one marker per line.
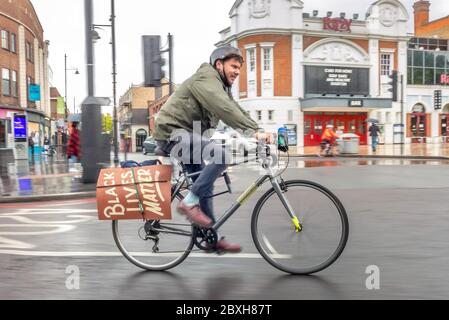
pixel 419 123
pixel 346 116
pixel 343 122
pixel 444 124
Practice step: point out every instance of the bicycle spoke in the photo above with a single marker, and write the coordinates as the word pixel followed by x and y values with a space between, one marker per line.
pixel 154 245
pixel 317 245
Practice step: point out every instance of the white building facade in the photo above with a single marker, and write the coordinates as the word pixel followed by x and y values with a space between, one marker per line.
pixel 305 70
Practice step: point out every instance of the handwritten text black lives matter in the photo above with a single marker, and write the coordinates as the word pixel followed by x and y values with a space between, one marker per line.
pixel 147 185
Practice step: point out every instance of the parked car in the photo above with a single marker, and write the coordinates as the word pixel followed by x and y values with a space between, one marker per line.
pixel 149 145
pixel 235 141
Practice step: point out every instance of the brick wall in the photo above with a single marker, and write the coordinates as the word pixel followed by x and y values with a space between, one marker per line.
pixel 438 27
pixel 23 11
pixel 282 54
pixel 9 60
pixel 12 14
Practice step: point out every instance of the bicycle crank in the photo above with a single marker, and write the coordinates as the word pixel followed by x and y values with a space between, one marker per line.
pixel 205 239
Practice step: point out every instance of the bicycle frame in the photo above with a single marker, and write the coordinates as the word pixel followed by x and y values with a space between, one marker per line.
pixel 246 195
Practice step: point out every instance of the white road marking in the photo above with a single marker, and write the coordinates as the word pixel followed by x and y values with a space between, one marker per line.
pixel 44 227
pixel 15 244
pixel 136 254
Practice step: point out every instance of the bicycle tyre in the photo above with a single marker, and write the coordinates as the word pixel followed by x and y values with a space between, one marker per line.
pixel 258 237
pixel 147 266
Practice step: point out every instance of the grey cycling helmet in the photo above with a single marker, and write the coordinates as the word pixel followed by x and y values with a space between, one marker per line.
pixel 223 53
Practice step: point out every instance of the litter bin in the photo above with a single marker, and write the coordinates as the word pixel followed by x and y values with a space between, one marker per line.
pixel 350 143
pixel 339 142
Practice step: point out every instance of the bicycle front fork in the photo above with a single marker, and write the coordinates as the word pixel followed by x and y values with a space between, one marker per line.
pixel 297 224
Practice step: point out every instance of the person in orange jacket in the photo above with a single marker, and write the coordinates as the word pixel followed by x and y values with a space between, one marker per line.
pixel 328 139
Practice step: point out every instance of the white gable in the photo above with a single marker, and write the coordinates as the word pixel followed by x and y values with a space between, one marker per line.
pixel 256 14
pixel 388 17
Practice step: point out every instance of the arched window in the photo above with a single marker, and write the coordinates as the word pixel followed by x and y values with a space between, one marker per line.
pixel 418 123
pixel 141 136
pixel 419 108
pixel 446 108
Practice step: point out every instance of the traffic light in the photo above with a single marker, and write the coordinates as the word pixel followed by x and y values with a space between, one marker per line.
pixel 437 99
pixel 394 85
pixel 152 61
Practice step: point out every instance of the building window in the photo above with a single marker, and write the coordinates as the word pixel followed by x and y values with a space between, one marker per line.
pixel 29 82
pixel 13 43
pixel 13 83
pixel 259 115
pixel 428 44
pixel 270 115
pixel 419 108
pixel 252 60
pixel 6 89
pixel 29 51
pixel 267 70
pixel 251 71
pixel 426 67
pixel 266 59
pixel 385 64
pixel 5 39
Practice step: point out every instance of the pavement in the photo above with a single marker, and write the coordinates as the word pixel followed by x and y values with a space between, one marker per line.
pixel 50 178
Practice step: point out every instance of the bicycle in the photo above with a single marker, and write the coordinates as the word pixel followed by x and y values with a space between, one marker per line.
pixel 328 149
pixel 295 237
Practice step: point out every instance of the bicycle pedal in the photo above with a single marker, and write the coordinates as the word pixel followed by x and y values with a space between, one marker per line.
pixel 219 252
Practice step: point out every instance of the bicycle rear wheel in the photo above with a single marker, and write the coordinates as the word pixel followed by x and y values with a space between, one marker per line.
pixel 136 240
pixel 324 222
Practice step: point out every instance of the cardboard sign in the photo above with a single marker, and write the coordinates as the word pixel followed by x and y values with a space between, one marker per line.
pixel 122 193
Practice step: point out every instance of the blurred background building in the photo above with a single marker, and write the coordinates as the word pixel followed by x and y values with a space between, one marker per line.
pixel 428 78
pixel 25 110
pixel 134 114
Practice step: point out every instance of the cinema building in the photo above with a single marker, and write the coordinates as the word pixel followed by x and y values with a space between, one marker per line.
pixel 304 69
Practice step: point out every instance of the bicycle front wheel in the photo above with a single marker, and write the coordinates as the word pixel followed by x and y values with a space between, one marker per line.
pixel 153 244
pixel 324 231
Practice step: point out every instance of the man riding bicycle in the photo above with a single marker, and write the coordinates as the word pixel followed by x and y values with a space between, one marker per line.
pixel 202 101
pixel 328 139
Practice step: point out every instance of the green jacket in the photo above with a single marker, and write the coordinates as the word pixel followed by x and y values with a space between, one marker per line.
pixel 203 97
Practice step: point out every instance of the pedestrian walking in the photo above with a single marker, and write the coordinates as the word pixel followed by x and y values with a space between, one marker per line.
pixel 46 145
pixel 374 134
pixel 73 148
pixel 31 146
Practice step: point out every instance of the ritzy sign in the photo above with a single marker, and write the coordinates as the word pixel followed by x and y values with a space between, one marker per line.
pixel 337 24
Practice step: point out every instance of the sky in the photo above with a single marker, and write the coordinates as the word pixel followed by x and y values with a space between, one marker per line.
pixel 194 25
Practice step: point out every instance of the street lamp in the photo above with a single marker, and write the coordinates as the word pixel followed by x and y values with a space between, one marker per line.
pixel 95 37
pixel 65 74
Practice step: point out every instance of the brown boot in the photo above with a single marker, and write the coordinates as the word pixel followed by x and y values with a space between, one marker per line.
pixel 194 214
pixel 224 246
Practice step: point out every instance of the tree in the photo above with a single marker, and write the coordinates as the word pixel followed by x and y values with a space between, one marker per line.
pixel 106 120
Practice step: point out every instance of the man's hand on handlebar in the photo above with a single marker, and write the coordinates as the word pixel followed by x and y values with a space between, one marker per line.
pixel 266 137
